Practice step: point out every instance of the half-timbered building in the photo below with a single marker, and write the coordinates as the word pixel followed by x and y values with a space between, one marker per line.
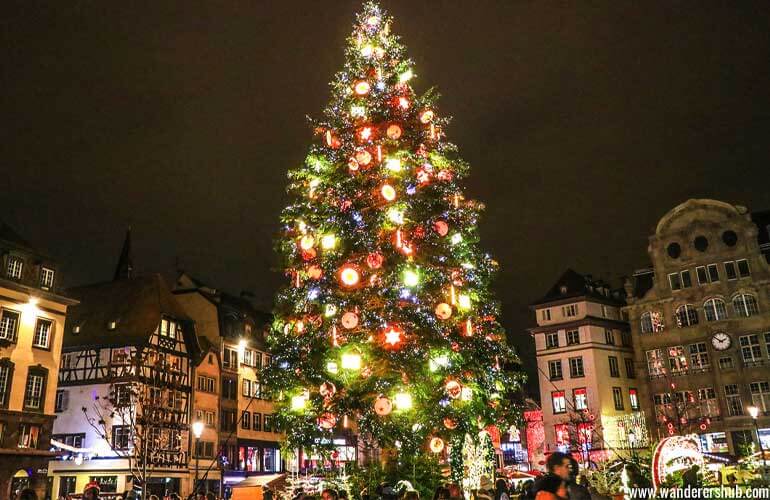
pixel 125 383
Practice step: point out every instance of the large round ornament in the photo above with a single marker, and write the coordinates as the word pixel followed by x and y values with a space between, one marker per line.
pixel 388 192
pixel 314 272
pixel 349 275
pixel 350 320
pixel 436 445
pixel 327 389
pixel 363 157
pixel 443 311
pixel 453 389
pixel 426 116
pixel 450 423
pixel 394 132
pixel 327 421
pixel 362 87
pixel 383 406
pixel 441 227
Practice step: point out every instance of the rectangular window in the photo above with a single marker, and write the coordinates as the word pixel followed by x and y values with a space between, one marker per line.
pixel 551 340
pixel 230 358
pixel 545 314
pixel 614 368
pixel 267 423
pixel 121 437
pixel 677 360
pixel 29 434
pixel 703 277
pixel 713 273
pixel 580 397
pixel 630 373
pixel 46 278
pixel 734 403
pixel 9 325
pixel 750 350
pixel 246 390
pixel 760 395
pixel 726 363
pixel 617 397
pixel 246 420
pixel 227 421
pixel 633 397
pixel 168 328
pixel 209 418
pixel 655 364
pixel 576 367
pixel 730 272
pixel 257 421
pixel 686 280
pixel 5 384
pixel 74 440
pixel 33 392
pixel 609 337
pixel 204 449
pixel 554 370
pixel 122 394
pixel 207 384
pixel 42 333
pixel 573 337
pixel 15 266
pixel 743 268
pixel 675 281
pixel 569 311
pixel 625 339
pixel 229 390
pixel 699 357
pixel 707 400
pixel 559 403
pixel 62 400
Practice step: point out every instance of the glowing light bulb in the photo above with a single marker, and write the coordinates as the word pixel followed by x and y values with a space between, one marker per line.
pixel 373 21
pixel 392 336
pixel 298 402
pixel 411 278
pixel 464 301
pixel 358 111
pixel 388 192
pixel 457 238
pixel 330 311
pixel 328 241
pixel 332 367
pixel 393 164
pixel 306 242
pixel 351 361
pixel 349 276
pixel 362 87
pixel 396 215
pixel 441 361
pixel 367 50
pixel 405 76
pixel 403 103
pixel 403 401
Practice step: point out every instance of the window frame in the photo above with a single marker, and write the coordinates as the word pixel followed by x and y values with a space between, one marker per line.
pixel 609 336
pixel 580 400
pixel 686 315
pixel 633 398
pixel 614 366
pixel 573 337
pixel 39 321
pixel 747 345
pixel 573 369
pixel 552 364
pixel 558 402
pixel 14 334
pixel 45 272
pixel 742 307
pixel 741 274
pixel 42 374
pixel 548 340
pixel 711 304
pixel 617 398
pixel 11 271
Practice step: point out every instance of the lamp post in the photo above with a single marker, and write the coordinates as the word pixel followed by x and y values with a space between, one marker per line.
pixel 754 412
pixel 197 428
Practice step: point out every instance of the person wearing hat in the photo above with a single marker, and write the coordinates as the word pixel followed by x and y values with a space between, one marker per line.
pixel 91 491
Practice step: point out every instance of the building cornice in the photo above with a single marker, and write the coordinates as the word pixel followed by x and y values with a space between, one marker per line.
pixel 587 320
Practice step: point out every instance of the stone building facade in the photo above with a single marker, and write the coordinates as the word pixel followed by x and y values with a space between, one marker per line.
pixel 588 385
pixel 700 323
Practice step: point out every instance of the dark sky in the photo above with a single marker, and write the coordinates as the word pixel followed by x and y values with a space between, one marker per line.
pixel 584 122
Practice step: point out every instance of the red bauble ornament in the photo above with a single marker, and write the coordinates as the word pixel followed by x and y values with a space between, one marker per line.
pixel 394 132
pixel 374 260
pixel 453 389
pixel 441 227
pixel 450 423
pixel 327 389
pixel 309 254
pixel 443 311
pixel 327 421
pixel 383 406
pixel 314 272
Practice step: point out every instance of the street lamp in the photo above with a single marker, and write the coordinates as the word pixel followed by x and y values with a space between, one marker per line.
pixel 754 412
pixel 197 428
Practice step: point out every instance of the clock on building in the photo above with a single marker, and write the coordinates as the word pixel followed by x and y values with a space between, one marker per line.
pixel 721 341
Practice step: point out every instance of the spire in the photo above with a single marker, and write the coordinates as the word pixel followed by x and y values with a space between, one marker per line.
pixel 125 267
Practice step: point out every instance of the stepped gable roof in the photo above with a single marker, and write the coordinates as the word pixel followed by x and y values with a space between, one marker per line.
pixel 136 304
pixel 572 284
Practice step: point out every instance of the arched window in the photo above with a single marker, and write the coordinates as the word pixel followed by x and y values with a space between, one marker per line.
pixel 652 322
pixel 686 315
pixel 745 305
pixel 715 309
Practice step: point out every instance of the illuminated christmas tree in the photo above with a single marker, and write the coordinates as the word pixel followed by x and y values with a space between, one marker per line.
pixel 388 323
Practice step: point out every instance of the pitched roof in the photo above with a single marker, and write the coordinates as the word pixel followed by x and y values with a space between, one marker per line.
pixel 136 304
pixel 572 284
pixel 125 266
pixel 12 238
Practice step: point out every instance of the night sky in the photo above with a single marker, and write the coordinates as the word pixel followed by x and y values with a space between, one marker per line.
pixel 584 122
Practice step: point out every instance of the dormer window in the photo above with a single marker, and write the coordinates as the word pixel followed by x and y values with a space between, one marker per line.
pixel 14 268
pixel 76 329
pixel 111 325
pixel 563 289
pixel 46 278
